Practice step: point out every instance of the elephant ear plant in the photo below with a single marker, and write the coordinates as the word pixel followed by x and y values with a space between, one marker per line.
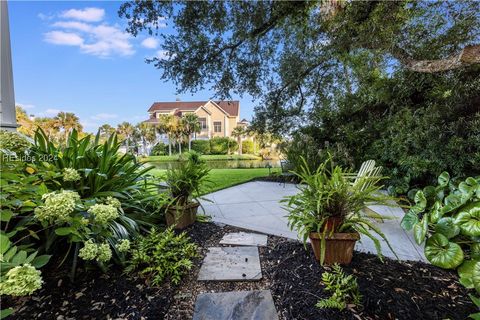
pixel 329 207
pixel 447 218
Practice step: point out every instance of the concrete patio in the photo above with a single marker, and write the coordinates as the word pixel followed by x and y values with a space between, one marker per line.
pixel 255 206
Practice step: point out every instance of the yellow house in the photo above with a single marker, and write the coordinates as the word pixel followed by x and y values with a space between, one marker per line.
pixel 217 118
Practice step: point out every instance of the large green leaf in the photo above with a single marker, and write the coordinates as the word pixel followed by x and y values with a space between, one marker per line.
pixel 468 219
pixel 409 220
pixel 476 276
pixel 475 251
pixel 447 227
pixel 465 273
pixel 420 202
pixel 420 230
pixel 436 212
pixel 443 253
pixel 452 202
pixel 443 179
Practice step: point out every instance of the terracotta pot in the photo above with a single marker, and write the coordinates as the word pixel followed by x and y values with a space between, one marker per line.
pixel 338 247
pixel 182 216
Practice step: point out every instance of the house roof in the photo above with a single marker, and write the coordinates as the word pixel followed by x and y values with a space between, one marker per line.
pixel 230 107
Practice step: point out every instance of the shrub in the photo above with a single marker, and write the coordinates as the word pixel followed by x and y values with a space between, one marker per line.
pixel 162 255
pixel 160 149
pixel 344 289
pixel 247 147
pixel 201 146
pixel 219 145
pixel 76 195
pixel 13 142
pixel 446 217
pixel 223 145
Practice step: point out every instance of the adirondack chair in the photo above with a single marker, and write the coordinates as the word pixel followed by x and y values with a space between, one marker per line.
pixel 368 170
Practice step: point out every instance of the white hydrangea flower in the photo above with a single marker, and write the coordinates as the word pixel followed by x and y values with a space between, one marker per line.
pixel 21 281
pixel 104 253
pixel 113 202
pixel 58 206
pixel 70 174
pixel 89 251
pixel 103 213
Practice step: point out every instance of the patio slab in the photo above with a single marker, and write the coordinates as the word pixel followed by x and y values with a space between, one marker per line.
pixel 244 239
pixel 256 206
pixel 231 264
pixel 235 305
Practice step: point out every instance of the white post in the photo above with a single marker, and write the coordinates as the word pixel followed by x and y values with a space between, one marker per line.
pixel 7 97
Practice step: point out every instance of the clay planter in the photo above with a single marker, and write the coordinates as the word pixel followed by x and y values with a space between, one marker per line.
pixel 182 216
pixel 338 247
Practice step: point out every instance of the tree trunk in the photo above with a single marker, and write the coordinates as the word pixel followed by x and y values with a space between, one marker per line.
pixel 169 146
pixel 240 151
pixel 189 142
pixel 180 147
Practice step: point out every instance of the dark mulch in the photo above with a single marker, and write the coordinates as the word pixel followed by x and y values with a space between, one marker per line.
pixel 391 290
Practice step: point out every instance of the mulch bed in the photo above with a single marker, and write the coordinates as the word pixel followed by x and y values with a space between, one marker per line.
pixel 390 290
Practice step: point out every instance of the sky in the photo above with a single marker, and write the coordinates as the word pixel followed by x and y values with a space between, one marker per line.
pixel 76 57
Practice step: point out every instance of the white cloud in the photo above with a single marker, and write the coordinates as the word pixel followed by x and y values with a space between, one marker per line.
pixel 87 14
pixel 104 116
pixel 63 38
pixel 75 25
pixel 101 40
pixel 150 43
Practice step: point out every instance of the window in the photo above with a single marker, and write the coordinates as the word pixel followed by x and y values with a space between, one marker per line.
pixel 217 126
pixel 203 123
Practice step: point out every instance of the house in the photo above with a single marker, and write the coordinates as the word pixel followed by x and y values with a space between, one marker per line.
pixel 217 118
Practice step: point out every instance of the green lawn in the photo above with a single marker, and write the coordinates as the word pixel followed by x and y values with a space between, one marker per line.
pixel 204 157
pixel 224 178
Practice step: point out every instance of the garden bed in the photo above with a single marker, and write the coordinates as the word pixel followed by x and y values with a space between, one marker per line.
pixel 391 290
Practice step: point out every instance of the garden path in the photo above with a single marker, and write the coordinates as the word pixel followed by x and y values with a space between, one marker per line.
pixel 255 206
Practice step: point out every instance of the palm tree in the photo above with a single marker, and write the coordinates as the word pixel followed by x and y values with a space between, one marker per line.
pixel 106 130
pixel 191 125
pixel 166 125
pixel 67 121
pixel 239 132
pixel 147 134
pixel 48 125
pixel 178 132
pixel 126 130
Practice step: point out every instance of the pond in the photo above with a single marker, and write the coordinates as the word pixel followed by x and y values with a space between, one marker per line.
pixel 223 164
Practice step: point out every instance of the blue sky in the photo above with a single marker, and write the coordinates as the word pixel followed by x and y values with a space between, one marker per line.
pixel 75 56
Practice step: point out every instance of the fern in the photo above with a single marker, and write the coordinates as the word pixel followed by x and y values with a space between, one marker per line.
pixel 344 289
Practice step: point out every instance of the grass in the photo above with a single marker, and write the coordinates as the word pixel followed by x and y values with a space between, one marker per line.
pixel 224 178
pixel 204 157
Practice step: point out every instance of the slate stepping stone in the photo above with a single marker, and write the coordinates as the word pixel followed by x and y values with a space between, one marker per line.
pixel 235 305
pixel 244 239
pixel 231 264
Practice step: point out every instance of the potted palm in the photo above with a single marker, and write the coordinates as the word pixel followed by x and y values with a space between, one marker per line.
pixel 184 183
pixel 328 211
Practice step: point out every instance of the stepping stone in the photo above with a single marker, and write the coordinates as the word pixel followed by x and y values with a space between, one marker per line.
pixel 235 305
pixel 244 239
pixel 231 264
